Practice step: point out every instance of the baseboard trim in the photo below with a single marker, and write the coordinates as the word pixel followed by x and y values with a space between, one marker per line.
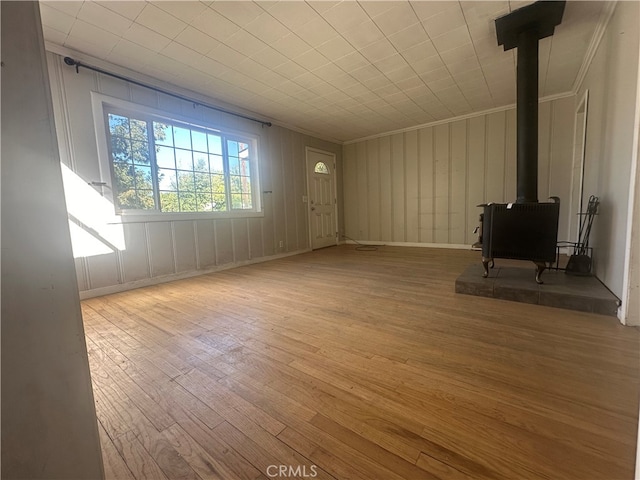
pixel 453 246
pixel 147 282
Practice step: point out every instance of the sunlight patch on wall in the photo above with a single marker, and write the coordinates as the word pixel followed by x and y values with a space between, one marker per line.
pixel 94 226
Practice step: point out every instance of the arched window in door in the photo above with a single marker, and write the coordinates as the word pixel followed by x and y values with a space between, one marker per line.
pixel 322 168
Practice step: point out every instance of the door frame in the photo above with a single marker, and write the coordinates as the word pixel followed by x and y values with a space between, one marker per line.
pixel 308 149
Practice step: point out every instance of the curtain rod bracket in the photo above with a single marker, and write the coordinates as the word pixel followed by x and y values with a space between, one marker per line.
pixel 71 62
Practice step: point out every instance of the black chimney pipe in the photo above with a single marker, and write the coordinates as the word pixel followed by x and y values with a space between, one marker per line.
pixel 523 28
pixel 527 116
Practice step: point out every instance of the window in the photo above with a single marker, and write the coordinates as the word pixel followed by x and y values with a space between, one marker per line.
pixel 321 167
pixel 166 165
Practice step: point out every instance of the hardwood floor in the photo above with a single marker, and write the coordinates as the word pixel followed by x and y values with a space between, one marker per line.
pixel 357 365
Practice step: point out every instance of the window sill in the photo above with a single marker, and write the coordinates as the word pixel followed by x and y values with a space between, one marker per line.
pixel 147 217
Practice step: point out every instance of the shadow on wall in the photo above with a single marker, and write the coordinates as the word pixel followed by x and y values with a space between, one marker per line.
pixel 95 229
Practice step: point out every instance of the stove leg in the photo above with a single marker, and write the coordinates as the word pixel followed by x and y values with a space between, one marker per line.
pixel 540 267
pixel 485 264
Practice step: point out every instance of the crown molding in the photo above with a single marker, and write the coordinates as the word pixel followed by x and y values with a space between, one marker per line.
pixel 489 111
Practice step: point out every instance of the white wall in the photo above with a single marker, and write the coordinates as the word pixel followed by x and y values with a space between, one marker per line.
pixel 612 83
pixel 424 185
pixel 49 427
pixel 154 250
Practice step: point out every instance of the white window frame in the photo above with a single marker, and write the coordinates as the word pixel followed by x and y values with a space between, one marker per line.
pixel 101 102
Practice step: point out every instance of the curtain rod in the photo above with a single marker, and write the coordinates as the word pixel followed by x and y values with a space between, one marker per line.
pixel 71 62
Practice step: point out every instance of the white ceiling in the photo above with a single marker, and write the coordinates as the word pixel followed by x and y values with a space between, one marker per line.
pixel 342 70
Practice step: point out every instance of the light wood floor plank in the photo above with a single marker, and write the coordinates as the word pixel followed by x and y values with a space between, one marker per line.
pixel 365 365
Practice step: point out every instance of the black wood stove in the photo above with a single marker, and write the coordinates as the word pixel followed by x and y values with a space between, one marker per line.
pixel 525 229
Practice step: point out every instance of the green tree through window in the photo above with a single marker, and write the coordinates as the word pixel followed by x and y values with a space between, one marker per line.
pixel 174 167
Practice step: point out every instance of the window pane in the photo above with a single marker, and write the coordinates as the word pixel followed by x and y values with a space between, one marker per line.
pixel 200 162
pixel 219 202
pixel 140 152
pixel 145 199
pixel 167 179
pixel 118 125
pixel 245 167
pixel 232 148
pixel 217 183
pixel 169 202
pixel 243 150
pixel 203 182
pixel 245 182
pixel 127 199
pixel 143 177
pixel 321 167
pixel 163 134
pixel 234 165
pixel 120 149
pixel 204 202
pixel 182 137
pixel 123 174
pixel 187 202
pixel 236 201
pixel 185 182
pixel 164 157
pixel 217 166
pixel 234 184
pixel 246 201
pixel 215 144
pixel 138 129
pixel 184 160
pixel 199 140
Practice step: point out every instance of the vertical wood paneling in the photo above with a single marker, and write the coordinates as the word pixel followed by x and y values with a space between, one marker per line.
pixel 135 256
pixel 275 146
pixel 288 182
pixel 161 251
pixel 256 247
pixel 449 169
pixel 60 110
pixel 373 189
pixel 411 185
pixel 495 157
pixel 169 104
pixel 206 243
pixel 398 188
pixel 103 270
pixel 560 160
pixel 477 160
pixel 240 229
pixel 81 273
pixel 77 90
pixel 458 192
pixel 386 214
pixel 362 189
pixel 144 96
pixel 350 191
pixel 265 162
pixel 427 192
pixel 113 87
pixel 544 149
pixel 510 172
pixel 441 180
pixel 224 241
pixel 300 187
pixel 184 237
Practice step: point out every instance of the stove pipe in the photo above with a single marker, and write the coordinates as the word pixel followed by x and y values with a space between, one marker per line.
pixel 523 28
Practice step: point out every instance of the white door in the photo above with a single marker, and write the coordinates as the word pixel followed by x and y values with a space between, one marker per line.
pixel 322 199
